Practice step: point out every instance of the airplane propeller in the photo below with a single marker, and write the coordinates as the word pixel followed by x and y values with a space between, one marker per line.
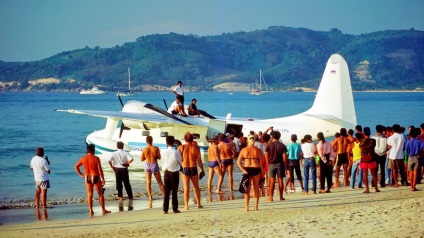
pixel 120 100
pixel 123 127
pixel 166 106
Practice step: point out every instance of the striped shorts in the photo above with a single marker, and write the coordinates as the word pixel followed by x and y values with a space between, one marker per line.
pixel 42 184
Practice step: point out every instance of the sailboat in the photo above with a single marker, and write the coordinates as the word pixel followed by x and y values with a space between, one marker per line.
pixel 257 87
pixel 127 93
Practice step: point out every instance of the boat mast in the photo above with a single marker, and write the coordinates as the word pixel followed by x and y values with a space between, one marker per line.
pixel 129 79
pixel 263 78
pixel 260 79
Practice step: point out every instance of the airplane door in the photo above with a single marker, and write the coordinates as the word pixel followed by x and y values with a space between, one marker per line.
pixel 215 127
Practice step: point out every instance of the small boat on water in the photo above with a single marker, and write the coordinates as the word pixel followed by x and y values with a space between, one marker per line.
pixel 94 91
pixel 129 92
pixel 257 87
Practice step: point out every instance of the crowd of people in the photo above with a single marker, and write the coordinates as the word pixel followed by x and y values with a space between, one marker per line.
pixel 389 155
pixel 263 159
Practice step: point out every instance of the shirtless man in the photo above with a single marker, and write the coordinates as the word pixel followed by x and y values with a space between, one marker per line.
pixel 215 165
pixel 93 175
pixel 191 158
pixel 340 147
pixel 227 154
pixel 151 154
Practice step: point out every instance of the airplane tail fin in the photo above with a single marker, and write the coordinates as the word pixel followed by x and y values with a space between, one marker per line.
pixel 334 99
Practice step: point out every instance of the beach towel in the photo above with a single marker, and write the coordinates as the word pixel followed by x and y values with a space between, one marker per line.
pixel 244 183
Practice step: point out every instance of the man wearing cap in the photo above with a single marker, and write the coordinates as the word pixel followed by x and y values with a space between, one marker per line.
pixel 276 157
pixel 309 163
pixel 294 152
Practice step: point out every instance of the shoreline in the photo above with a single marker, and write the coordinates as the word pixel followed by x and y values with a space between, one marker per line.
pixel 344 212
pixel 73 208
pixel 221 91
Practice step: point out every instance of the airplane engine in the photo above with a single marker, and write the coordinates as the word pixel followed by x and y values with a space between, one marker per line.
pixel 137 106
pixel 141 107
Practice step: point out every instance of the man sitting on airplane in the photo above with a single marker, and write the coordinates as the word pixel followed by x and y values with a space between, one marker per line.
pixel 177 108
pixel 193 111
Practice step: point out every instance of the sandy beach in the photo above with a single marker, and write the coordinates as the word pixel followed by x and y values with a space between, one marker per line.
pixel 345 212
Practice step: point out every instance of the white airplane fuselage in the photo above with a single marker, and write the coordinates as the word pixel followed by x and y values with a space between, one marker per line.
pixel 333 109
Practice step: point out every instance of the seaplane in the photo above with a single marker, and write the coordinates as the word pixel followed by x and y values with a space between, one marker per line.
pixel 332 109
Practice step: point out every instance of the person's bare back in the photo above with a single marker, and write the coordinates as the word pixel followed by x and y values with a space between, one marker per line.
pixel 94 178
pixel 341 145
pixel 150 154
pixel 91 165
pixel 190 153
pixel 226 150
pixel 213 153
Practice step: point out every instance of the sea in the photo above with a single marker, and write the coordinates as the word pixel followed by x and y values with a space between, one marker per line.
pixel 30 120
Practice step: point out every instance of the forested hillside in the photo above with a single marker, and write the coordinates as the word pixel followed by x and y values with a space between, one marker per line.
pixel 288 57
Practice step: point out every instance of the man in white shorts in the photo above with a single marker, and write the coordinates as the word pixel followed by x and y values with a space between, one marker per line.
pixel 41 169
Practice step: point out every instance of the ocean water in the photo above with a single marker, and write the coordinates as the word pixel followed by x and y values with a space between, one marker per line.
pixel 28 121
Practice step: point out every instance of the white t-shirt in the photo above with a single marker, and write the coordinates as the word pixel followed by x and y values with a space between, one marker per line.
pixel 173 106
pixel 179 90
pixel 381 144
pixel 308 150
pixel 397 142
pixel 40 167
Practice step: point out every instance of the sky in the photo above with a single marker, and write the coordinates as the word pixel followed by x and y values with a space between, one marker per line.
pixel 32 30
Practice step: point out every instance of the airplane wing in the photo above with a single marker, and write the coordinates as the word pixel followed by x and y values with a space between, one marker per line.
pixel 156 119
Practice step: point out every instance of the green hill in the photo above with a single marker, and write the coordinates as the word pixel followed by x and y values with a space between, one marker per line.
pixel 288 57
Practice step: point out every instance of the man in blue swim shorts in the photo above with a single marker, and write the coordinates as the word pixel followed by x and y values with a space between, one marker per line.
pixel 215 165
pixel 190 152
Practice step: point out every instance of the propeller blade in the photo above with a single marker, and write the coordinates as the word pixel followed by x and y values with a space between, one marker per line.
pixel 122 123
pixel 122 129
pixel 165 104
pixel 120 100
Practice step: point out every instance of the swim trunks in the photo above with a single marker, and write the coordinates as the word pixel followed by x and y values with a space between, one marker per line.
pixel 276 170
pixel 342 159
pixel 413 163
pixel 151 167
pixel 190 171
pixel 42 184
pixel 213 164
pixel 92 179
pixel 227 162
pixel 371 165
pixel 252 171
